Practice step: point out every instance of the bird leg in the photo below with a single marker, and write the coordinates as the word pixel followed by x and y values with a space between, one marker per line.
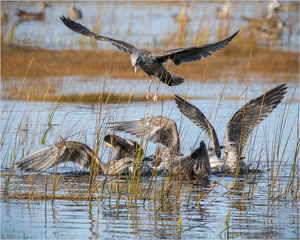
pixel 148 89
pixel 155 94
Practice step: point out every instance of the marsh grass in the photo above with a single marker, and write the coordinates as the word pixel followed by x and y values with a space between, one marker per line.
pixel 165 192
pixel 169 187
pixel 90 63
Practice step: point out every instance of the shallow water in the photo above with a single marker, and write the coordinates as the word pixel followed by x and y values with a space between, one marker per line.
pixel 105 218
pixel 142 24
pixel 23 125
pixel 250 210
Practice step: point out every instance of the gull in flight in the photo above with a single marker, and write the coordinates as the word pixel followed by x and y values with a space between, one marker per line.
pixel 152 63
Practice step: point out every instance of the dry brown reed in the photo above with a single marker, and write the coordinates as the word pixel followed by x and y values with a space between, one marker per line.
pixel 96 63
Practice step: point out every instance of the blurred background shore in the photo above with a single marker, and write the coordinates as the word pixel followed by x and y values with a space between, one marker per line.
pixel 32 31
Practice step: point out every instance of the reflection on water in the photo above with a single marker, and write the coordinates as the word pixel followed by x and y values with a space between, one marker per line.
pixel 114 211
pixel 114 216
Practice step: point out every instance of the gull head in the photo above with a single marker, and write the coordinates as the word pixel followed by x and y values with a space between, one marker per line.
pixel 135 59
pixel 211 152
pixel 108 145
pixel 231 146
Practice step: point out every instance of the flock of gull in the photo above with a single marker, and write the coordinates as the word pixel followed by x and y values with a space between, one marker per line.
pixel 129 155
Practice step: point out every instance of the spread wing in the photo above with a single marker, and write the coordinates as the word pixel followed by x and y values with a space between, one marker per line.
pixel 55 154
pixel 201 166
pixel 157 129
pixel 198 118
pixel 251 114
pixel 78 28
pixel 195 164
pixel 123 147
pixel 192 54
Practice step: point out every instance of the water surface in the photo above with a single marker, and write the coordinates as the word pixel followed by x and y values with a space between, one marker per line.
pixel 110 216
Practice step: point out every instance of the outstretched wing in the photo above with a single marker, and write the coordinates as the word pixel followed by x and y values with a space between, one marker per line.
pixel 55 154
pixel 192 54
pixel 78 28
pixel 123 147
pixel 157 129
pixel 195 164
pixel 198 118
pixel 202 166
pixel 251 114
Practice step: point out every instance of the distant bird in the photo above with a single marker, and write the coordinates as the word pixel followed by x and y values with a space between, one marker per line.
pixel 152 63
pixel 272 5
pixel 238 130
pixel 270 25
pixel 74 13
pixel 181 17
pixel 288 7
pixel 25 16
pixel 164 130
pixel 285 7
pixel 126 152
pixel 224 11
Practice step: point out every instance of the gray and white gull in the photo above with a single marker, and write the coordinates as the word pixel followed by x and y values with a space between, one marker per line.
pixel 163 130
pixel 126 152
pixel 152 63
pixel 238 130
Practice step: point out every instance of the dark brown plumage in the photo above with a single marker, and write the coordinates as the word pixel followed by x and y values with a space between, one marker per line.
pixel 125 152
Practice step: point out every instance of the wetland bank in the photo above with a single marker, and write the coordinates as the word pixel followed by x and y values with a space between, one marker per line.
pixel 60 85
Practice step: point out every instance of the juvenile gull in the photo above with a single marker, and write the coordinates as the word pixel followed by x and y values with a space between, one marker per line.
pixel 164 130
pixel 193 165
pixel 156 129
pixel 126 151
pixel 152 63
pixel 238 130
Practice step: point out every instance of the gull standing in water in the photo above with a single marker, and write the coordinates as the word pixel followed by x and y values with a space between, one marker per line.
pixel 126 151
pixel 238 130
pixel 152 63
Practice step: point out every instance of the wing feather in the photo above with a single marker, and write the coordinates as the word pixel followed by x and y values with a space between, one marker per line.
pixel 46 158
pixel 192 54
pixel 157 129
pixel 123 147
pixel 242 124
pixel 199 119
pixel 78 28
